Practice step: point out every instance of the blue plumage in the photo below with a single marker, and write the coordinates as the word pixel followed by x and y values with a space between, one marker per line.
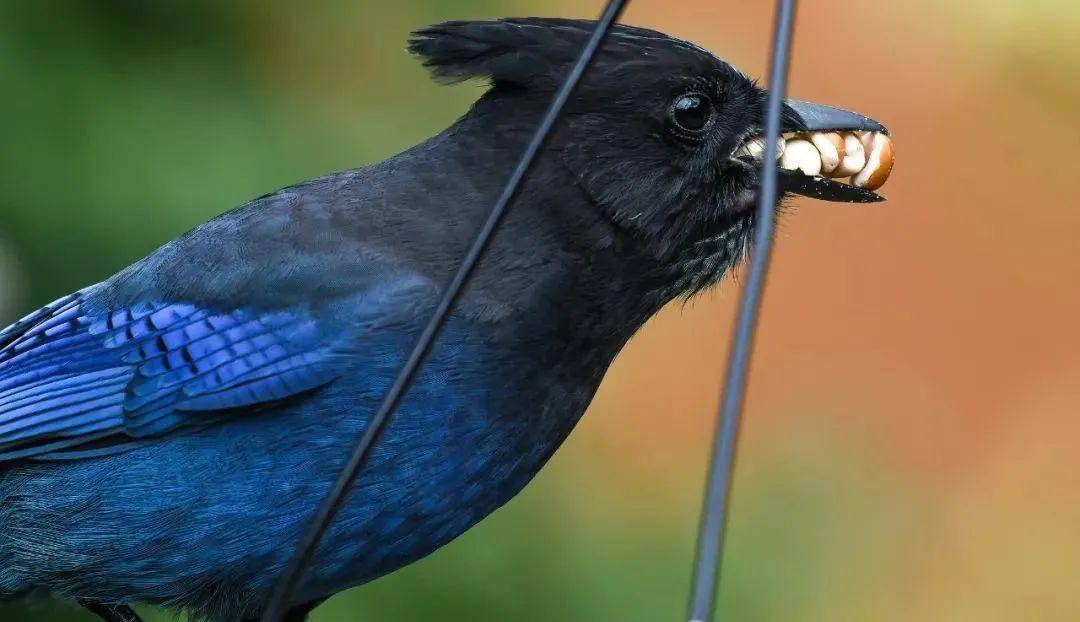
pixel 71 378
pixel 218 505
pixel 207 487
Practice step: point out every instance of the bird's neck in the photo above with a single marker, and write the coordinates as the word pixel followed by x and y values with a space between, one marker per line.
pixel 557 269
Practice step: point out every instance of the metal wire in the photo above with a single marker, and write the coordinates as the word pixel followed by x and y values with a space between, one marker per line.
pixel 111 613
pixel 286 586
pixel 710 547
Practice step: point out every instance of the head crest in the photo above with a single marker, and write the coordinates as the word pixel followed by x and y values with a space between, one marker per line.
pixel 525 50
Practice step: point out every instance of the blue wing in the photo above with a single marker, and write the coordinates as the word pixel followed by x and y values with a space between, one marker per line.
pixel 74 383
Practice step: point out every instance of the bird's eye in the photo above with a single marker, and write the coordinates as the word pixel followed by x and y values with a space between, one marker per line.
pixel 692 113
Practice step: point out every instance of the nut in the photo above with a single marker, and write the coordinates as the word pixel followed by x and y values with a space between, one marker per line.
pixel 801 155
pixel 867 140
pixel 831 147
pixel 755 148
pixel 878 164
pixel 854 157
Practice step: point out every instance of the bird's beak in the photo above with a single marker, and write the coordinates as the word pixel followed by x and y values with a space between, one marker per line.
pixel 823 145
pixel 807 117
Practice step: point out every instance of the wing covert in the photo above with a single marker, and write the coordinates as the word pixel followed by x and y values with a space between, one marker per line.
pixel 70 379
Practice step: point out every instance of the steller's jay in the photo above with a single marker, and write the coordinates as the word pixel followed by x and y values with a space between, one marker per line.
pixel 166 434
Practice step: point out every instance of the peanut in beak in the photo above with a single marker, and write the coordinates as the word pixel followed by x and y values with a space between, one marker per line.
pixel 865 157
pixel 879 162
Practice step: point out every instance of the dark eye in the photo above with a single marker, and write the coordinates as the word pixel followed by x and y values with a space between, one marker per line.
pixel 692 113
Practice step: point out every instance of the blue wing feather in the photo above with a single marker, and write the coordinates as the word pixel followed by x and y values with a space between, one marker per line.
pixel 69 378
pixel 23 327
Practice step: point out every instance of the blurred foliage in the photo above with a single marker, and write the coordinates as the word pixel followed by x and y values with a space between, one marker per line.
pixel 914 395
pixel 127 122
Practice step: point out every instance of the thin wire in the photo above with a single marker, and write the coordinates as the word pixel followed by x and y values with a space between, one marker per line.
pixel 289 580
pixel 111 613
pixel 714 517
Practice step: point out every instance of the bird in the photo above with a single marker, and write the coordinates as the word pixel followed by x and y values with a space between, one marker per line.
pixel 166 433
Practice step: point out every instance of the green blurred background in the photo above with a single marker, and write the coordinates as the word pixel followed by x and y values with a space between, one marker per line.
pixel 910 446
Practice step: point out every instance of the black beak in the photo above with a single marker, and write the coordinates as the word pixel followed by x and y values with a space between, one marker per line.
pixel 806 117
pixel 800 116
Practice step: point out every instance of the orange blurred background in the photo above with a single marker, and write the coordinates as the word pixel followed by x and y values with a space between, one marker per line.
pixel 909 446
pixel 918 366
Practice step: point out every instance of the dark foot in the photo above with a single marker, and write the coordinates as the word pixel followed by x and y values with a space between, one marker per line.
pixel 111 613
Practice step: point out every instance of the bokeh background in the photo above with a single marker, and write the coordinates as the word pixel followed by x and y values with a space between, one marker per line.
pixel 910 447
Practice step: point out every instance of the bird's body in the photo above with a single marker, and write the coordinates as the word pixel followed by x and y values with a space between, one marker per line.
pixel 166 434
pixel 229 496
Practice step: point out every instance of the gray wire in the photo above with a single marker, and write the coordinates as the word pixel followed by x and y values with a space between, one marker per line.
pixel 714 517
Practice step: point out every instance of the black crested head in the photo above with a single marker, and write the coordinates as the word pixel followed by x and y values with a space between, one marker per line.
pixel 652 135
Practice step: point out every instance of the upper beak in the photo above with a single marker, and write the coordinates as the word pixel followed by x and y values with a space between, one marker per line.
pixel 800 116
pixel 807 117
